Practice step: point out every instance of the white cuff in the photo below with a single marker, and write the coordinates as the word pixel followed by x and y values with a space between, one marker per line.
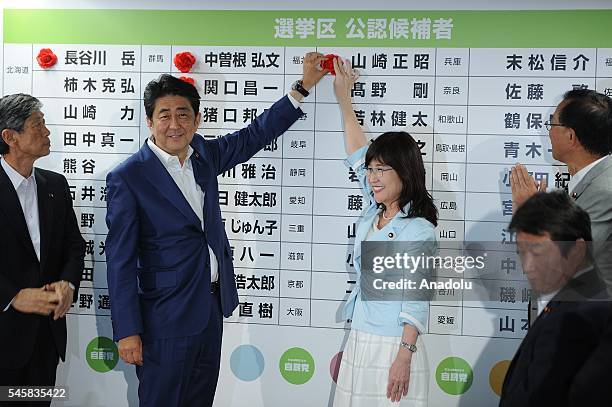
pixel 294 102
pixel 8 306
pixel 409 319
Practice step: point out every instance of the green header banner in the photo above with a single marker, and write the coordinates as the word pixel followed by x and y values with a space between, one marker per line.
pixel 440 29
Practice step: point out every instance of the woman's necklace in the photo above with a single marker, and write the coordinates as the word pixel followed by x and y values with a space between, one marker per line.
pixel 384 217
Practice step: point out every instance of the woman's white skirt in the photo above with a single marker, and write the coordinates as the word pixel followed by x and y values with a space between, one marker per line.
pixel 364 372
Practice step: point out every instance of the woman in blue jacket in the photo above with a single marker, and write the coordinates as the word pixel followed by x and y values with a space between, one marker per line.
pixel 384 360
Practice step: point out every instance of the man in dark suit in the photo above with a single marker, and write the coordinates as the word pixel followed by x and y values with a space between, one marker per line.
pixel 553 236
pixel 41 249
pixel 170 272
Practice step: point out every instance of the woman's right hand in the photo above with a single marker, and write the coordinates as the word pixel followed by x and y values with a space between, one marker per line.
pixel 344 80
pixel 399 376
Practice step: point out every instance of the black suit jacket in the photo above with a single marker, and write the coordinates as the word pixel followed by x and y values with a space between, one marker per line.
pixel 591 385
pixel 62 250
pixel 557 344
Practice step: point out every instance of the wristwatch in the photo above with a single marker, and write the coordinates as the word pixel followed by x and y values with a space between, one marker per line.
pixel 297 86
pixel 411 347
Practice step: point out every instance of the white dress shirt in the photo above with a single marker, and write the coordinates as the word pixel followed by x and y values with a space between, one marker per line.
pixel 580 175
pixel 185 180
pixel 544 299
pixel 28 198
pixel 294 102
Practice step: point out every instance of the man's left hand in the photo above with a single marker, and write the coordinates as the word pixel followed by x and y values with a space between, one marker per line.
pixel 65 294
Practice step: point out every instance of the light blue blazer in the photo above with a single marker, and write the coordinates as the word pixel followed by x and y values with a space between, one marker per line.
pixel 385 318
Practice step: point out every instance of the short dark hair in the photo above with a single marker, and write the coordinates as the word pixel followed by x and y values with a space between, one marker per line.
pixel 554 213
pixel 398 150
pixel 589 113
pixel 14 111
pixel 167 85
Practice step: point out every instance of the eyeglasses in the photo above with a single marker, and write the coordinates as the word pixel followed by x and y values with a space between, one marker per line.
pixel 550 125
pixel 379 172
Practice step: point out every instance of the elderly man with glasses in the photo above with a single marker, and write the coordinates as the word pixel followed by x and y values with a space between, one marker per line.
pixel 580 132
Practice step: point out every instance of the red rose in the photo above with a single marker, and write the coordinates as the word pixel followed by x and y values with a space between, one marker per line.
pixel 328 63
pixel 46 58
pixel 184 61
pixel 188 80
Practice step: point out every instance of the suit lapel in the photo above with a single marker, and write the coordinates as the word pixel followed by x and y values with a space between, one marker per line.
pixel 45 215
pixel 201 174
pixel 542 315
pixel 532 311
pixel 10 205
pixel 509 383
pixel 159 178
pixel 596 171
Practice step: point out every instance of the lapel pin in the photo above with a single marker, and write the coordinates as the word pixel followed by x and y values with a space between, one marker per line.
pixel 50 195
pixel 391 235
pixel 574 195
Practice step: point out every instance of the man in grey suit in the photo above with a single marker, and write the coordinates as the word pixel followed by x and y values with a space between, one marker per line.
pixel 580 132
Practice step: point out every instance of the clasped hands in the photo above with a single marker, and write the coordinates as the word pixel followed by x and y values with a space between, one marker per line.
pixel 53 298
pixel 523 186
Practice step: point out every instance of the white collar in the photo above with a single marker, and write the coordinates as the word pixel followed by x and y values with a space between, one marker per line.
pixel 581 174
pixel 170 161
pixel 544 299
pixel 15 177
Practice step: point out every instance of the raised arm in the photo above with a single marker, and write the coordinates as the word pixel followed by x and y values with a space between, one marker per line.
pixel 354 138
pixel 242 145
